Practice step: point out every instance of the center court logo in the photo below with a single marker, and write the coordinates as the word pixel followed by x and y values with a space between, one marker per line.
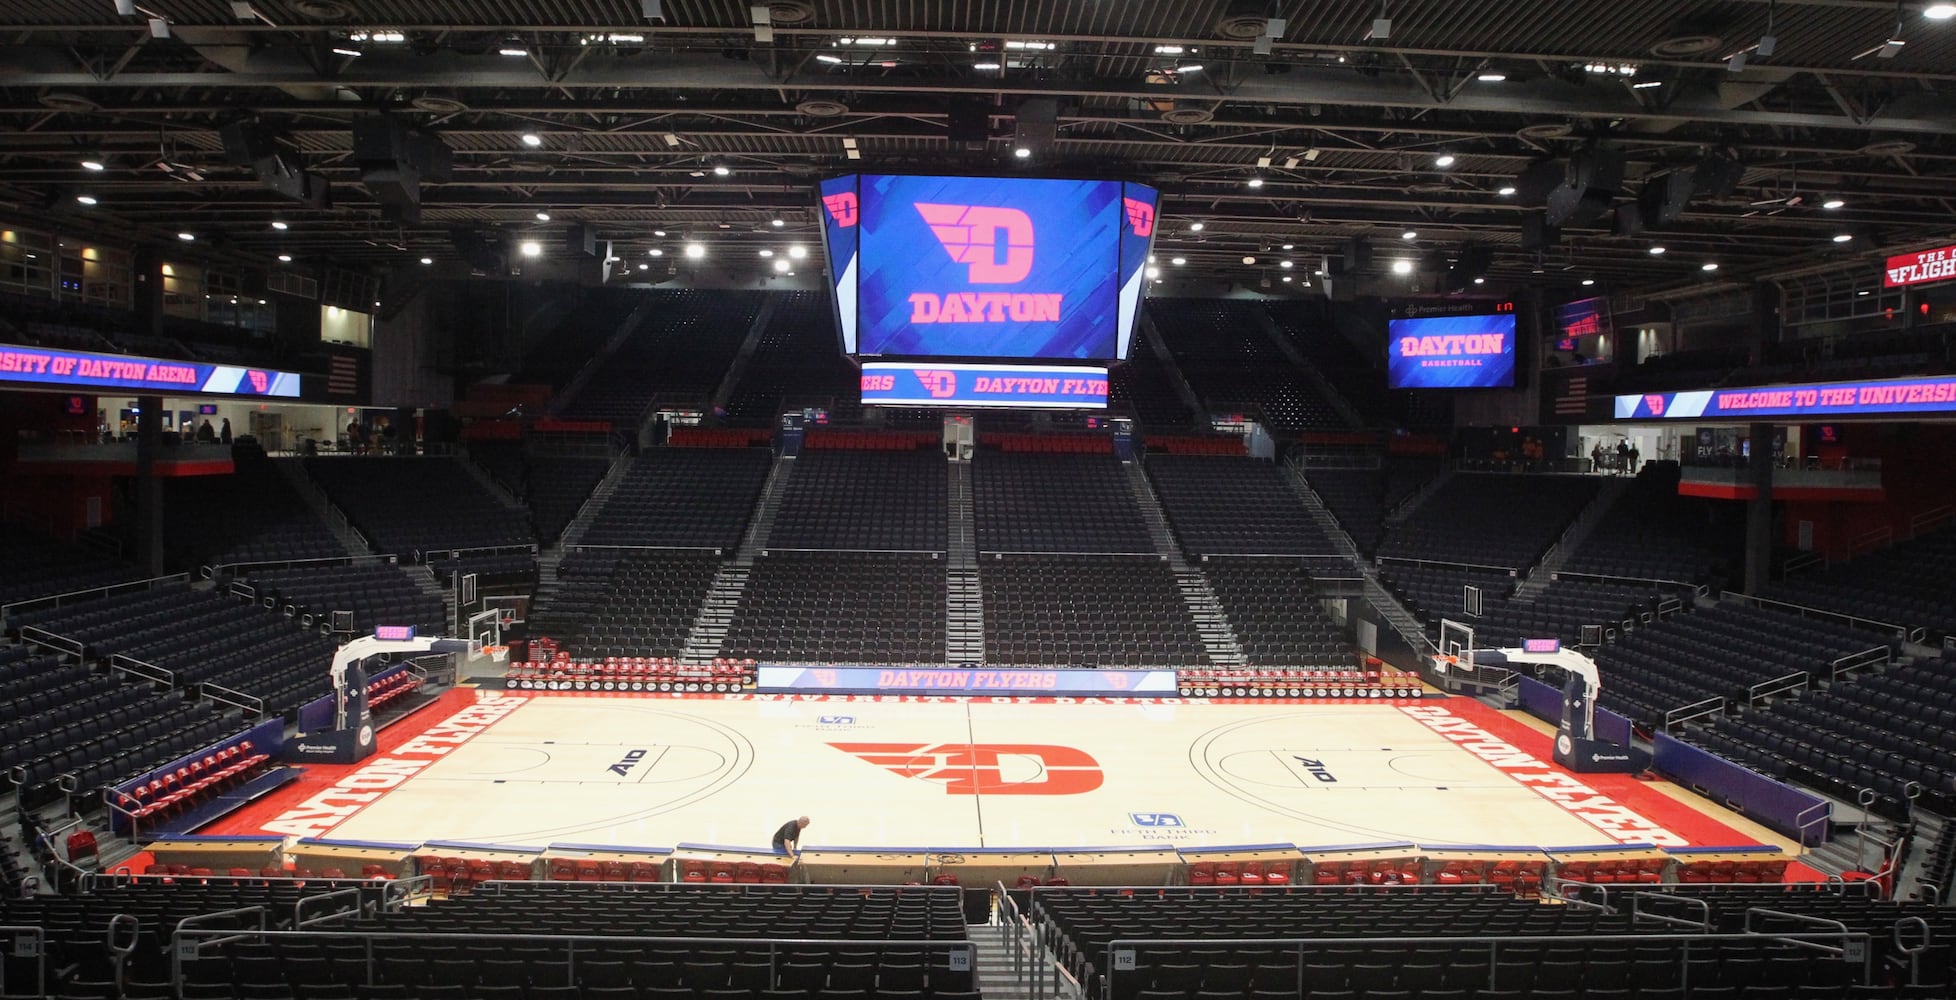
pixel 978 768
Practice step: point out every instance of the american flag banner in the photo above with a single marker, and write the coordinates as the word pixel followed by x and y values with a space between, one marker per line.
pixel 343 375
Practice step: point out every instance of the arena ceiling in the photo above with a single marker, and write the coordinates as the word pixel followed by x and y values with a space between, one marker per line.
pixel 710 123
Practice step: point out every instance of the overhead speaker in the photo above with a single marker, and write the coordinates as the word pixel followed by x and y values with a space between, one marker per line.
pixel 1663 199
pixel 1537 232
pixel 1627 220
pixel 1357 258
pixel 247 142
pixel 1718 176
pixel 1037 122
pixel 582 240
pixel 970 122
pixel 1577 189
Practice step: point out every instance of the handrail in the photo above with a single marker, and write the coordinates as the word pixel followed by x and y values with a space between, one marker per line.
pixel 1796 681
pixel 122 951
pixel 230 696
pixel 27 942
pixel 396 892
pixel 1700 589
pixel 1914 952
pixel 7 611
pixel 1807 918
pixel 1637 913
pixel 1696 710
pixel 1821 812
pixel 1854 661
pixel 224 935
pixel 39 636
pixel 143 668
pixel 1803 610
pixel 1930 518
pixel 299 907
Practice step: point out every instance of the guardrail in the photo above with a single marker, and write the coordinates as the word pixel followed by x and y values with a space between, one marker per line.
pixel 1930 518
pixel 1804 611
pixel 216 570
pixel 8 611
pixel 1700 589
pixel 1797 681
pixel 143 668
pixel 27 943
pixel 1510 570
pixel 1696 710
pixel 1855 661
pixel 38 636
pixel 252 704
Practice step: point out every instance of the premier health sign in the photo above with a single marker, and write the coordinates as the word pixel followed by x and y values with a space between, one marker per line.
pixel 82 370
pixel 1820 399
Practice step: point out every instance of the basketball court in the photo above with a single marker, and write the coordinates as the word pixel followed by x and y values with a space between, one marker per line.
pixel 523 769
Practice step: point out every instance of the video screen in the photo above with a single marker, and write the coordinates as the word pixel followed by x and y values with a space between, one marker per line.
pixel 992 386
pixel 1581 333
pixel 987 267
pixel 1452 352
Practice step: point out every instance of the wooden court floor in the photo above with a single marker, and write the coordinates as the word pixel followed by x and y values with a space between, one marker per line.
pixel 528 770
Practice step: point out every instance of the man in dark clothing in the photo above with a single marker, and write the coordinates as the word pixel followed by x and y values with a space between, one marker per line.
pixel 787 840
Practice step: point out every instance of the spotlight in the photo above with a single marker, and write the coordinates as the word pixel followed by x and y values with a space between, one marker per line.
pixel 721 170
pixel 531 248
pixel 781 266
pixel 85 199
pixel 1506 192
pixel 1710 265
pixel 1843 237
pixel 532 140
pixel 1402 267
pixel 695 251
pixel 1256 182
pixel 279 224
pixel 93 163
pixel 1445 160
pixel 187 237
pixel 543 216
pixel 1833 203
pixel 285 258
pixel 1022 152
pixel 1410 234
pixel 1657 251
pixel 797 251
pixel 427 260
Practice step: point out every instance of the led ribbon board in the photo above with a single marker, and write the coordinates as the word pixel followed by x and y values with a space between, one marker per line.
pixel 947 681
pixel 1452 352
pixel 83 370
pixel 1035 387
pixel 1829 399
pixel 987 267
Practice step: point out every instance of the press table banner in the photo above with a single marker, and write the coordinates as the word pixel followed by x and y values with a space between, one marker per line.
pixel 954 681
pixel 83 370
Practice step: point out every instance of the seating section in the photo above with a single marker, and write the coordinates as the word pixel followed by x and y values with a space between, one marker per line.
pixel 1031 502
pixel 49 708
pixel 39 566
pixel 559 355
pixel 682 348
pixel 1143 385
pixel 683 498
pixel 1360 379
pixel 1234 506
pixel 409 506
pixel 798 362
pixel 1717 653
pixel 1881 731
pixel 1491 519
pixel 873 500
pixel 251 515
pixel 377 593
pixel 1652 533
pixel 1224 350
pixel 1356 497
pixel 1559 610
pixel 627 602
pixel 1087 611
pixel 203 637
pixel 864 607
pixel 1436 592
pixel 1276 613
pixel 1906 584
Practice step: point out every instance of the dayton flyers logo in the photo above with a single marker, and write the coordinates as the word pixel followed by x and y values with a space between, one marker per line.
pixel 971 235
pixel 1655 401
pixel 1140 215
pixel 973 768
pixel 842 207
pixel 260 382
pixel 939 383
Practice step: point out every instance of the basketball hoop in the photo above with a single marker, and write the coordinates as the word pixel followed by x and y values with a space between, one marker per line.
pixel 499 654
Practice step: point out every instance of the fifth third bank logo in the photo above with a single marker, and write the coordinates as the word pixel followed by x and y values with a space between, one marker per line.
pixel 997 243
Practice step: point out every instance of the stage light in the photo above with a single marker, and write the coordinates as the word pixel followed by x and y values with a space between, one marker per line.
pixel 531 248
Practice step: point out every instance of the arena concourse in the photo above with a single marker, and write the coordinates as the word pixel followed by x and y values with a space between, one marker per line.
pixel 1223 500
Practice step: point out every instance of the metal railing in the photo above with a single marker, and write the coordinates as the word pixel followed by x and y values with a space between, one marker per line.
pixel 1805 611
pixel 1930 518
pixel 1819 814
pixel 8 611
pixel 1696 710
pixel 142 668
pixel 1638 913
pixel 1700 589
pixel 252 704
pixel 1855 661
pixel 1796 681
pixel 25 943
pixel 38 636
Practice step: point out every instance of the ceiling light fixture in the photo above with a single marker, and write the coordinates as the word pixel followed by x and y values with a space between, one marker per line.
pixel 1586 282
pixel 531 248
pixel 1833 203
pixel 1480 281
pixel 695 251
pixel 721 170
pixel 280 225
pixel 1410 234
pixel 514 50
pixel 532 140
pixel 1022 152
pixel 1249 260
pixel 1710 265
pixel 1154 272
pixel 93 164
pixel 1286 265
pixel 1506 192
pixel 187 237
pixel 1492 76
pixel 797 251
pixel 285 258
pixel 984 65
pixel 1657 251
pixel 1290 246
pixel 1195 227
pixel 1445 160
pixel 85 199
pixel 1256 182
pixel 767 253
pixel 776 223
pixel 656 252
pixel 350 53
pixel 1402 267
pixel 543 216
pixel 1178 261
pixel 1169 50
pixel 427 260
pixel 1843 237
pixel 1188 66
pixel 1939 11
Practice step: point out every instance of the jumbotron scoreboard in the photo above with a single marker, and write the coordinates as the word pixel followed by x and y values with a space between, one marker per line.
pixel 986 291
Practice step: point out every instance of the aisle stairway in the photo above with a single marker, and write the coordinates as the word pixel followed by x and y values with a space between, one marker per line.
pixel 723 598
